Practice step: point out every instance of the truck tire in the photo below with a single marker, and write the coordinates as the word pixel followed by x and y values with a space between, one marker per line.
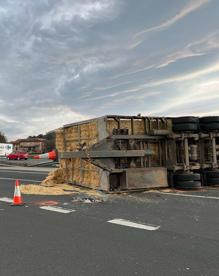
pixel 212 174
pixel 212 181
pixel 185 127
pixel 209 119
pixel 188 185
pixel 187 177
pixel 185 120
pixel 209 126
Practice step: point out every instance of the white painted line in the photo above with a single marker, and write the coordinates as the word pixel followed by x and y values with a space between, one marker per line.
pixel 57 209
pixel 128 223
pixel 25 172
pixel 6 199
pixel 26 180
pixel 26 169
pixel 188 195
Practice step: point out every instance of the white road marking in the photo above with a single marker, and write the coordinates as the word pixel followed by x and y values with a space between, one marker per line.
pixel 26 180
pixel 57 209
pixel 128 223
pixel 189 195
pixel 6 199
pixel 24 172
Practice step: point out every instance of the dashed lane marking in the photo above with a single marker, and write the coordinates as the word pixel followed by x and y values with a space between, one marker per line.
pixel 188 195
pixel 26 180
pixel 57 209
pixel 128 223
pixel 6 199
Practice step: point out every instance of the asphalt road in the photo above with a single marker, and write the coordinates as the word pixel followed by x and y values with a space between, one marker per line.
pixel 184 236
pixel 27 163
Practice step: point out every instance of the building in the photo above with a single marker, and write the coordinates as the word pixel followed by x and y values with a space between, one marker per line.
pixel 30 145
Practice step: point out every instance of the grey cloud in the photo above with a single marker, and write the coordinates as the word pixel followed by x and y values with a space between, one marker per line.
pixel 66 12
pixel 189 8
pixel 63 61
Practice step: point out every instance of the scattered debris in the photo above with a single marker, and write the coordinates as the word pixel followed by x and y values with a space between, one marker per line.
pixel 55 184
pixel 32 189
pixel 87 199
pixel 54 177
pixel 47 203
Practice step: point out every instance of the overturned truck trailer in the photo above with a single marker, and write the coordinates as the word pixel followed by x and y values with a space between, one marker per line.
pixel 115 152
pixel 134 152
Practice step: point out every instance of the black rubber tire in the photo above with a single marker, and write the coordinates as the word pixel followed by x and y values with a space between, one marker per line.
pixel 188 184
pixel 187 177
pixel 212 174
pixel 210 126
pixel 185 127
pixel 185 120
pixel 209 119
pixel 212 181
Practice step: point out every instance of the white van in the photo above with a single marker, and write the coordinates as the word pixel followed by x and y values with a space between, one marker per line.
pixel 5 149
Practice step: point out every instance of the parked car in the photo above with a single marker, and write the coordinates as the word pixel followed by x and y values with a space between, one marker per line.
pixel 17 156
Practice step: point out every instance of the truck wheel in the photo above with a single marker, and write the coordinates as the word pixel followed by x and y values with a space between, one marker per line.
pixel 185 120
pixel 212 177
pixel 187 180
pixel 212 181
pixel 187 177
pixel 209 126
pixel 185 127
pixel 212 174
pixel 209 119
pixel 187 185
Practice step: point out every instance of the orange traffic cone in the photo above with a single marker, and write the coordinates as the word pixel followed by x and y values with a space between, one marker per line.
pixel 49 155
pixel 17 200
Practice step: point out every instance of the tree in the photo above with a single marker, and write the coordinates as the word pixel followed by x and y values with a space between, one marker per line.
pixel 36 136
pixel 50 145
pixel 50 140
pixel 3 138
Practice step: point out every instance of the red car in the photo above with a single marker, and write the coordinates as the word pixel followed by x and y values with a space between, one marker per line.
pixel 17 156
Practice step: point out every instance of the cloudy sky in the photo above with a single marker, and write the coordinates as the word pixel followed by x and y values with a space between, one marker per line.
pixel 69 60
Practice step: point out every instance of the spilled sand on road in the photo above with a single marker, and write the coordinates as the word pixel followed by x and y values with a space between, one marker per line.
pixel 55 184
